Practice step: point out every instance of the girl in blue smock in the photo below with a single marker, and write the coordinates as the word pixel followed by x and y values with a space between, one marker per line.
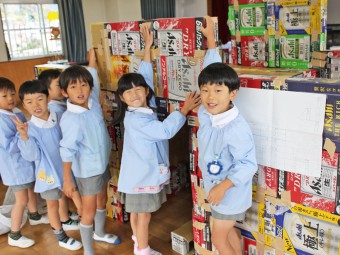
pixel 144 171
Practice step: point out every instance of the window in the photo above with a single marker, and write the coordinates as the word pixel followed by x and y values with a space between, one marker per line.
pixel 31 29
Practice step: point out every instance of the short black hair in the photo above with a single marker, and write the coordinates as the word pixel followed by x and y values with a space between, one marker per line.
pixel 74 73
pixel 219 73
pixel 126 82
pixel 6 84
pixel 32 87
pixel 48 75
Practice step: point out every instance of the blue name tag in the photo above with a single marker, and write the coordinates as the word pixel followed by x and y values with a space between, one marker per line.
pixel 215 167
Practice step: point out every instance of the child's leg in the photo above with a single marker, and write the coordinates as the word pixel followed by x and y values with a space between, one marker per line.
pixel 34 217
pixel 99 226
pixel 63 208
pixel 133 223
pixel 220 236
pixel 53 215
pixel 143 230
pixel 14 237
pixel 89 203
pixel 66 221
pixel 77 202
pixel 32 201
pixel 21 200
pixel 235 241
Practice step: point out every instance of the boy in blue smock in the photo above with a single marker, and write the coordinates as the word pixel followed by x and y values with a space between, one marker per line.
pixel 226 149
pixel 16 172
pixel 56 100
pixel 85 150
pixel 57 104
pixel 39 143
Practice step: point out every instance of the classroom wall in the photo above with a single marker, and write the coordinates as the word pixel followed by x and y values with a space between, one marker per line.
pixel 191 8
pixel 109 11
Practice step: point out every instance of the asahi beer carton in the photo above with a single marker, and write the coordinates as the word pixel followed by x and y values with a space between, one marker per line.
pixel 253 51
pixel 307 231
pixel 124 37
pixel 272 180
pixel 331 88
pixel 179 75
pixel 302 17
pixel 252 19
pixel 122 64
pixel 231 20
pixel 295 51
pixel 180 36
pixel 317 192
pixel 232 2
pixel 233 52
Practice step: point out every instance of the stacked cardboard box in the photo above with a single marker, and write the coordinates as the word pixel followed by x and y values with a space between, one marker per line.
pixel 276 33
pixel 328 63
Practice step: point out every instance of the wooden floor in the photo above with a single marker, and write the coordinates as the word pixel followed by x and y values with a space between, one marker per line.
pixel 172 215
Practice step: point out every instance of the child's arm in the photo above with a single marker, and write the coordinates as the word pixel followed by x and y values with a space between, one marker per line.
pixel 92 69
pixel 145 67
pixel 68 148
pixel 212 55
pixel 28 147
pixel 68 185
pixel 242 149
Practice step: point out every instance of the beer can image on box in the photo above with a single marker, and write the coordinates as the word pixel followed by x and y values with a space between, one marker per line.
pixel 312 235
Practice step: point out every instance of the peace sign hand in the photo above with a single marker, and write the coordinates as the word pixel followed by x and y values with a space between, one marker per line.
pixel 22 127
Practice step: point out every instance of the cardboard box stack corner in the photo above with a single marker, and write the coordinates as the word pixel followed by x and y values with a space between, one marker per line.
pixel 276 33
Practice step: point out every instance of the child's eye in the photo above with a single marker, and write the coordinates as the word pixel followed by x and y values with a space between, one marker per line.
pixel 204 90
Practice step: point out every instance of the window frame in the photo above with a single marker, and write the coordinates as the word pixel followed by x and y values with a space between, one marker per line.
pixel 42 28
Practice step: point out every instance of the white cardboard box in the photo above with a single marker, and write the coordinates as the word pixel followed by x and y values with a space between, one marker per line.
pixel 182 238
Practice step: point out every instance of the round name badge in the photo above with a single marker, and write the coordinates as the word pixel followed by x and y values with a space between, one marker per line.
pixel 215 168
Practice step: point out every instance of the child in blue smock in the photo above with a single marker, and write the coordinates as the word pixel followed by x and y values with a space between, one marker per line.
pixel 16 172
pixel 85 148
pixel 144 172
pixel 57 104
pixel 226 149
pixel 39 143
pixel 56 100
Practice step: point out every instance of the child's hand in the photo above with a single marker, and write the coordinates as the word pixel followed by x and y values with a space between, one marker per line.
pixel 92 58
pixel 216 194
pixel 68 188
pixel 22 127
pixel 209 32
pixel 147 36
pixel 192 100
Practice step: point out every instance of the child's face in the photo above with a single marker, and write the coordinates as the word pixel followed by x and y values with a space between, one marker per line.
pixel 54 90
pixel 78 93
pixel 36 105
pixel 135 97
pixel 7 99
pixel 216 98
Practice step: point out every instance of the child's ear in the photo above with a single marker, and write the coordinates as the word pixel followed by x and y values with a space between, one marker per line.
pixel 121 98
pixel 233 94
pixel 64 93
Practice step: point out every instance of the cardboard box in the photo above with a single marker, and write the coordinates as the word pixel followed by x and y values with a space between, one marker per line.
pixel 179 75
pixel 180 36
pixel 39 68
pixel 332 112
pixel 302 230
pixel 320 193
pixel 253 51
pixel 295 51
pixel 182 239
pixel 124 37
pixel 252 19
